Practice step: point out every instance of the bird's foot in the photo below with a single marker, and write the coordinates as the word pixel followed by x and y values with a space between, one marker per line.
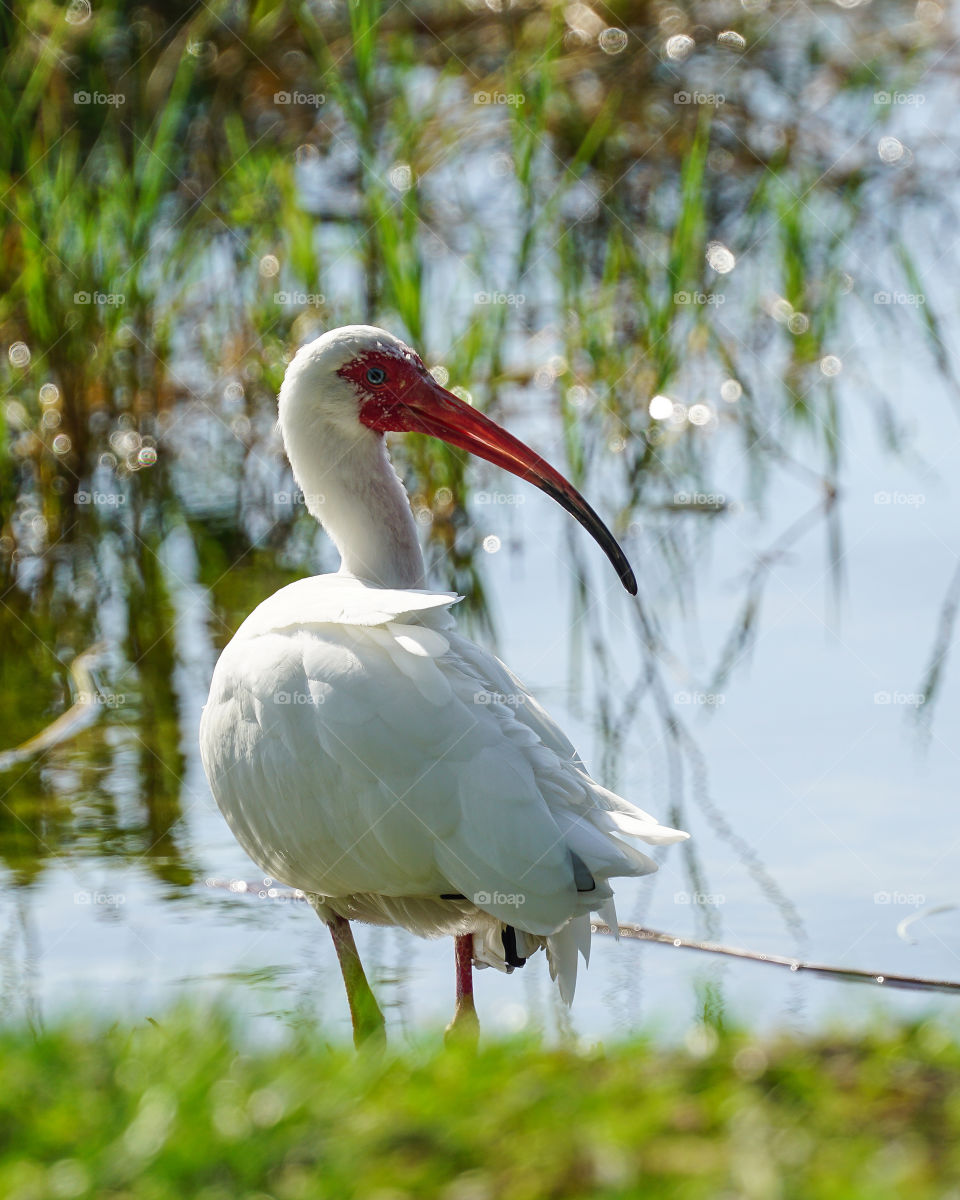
pixel 464 1029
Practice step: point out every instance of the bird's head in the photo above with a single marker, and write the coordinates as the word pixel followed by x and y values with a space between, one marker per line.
pixel 364 381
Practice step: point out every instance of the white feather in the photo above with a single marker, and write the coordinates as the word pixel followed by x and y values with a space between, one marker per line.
pixel 379 764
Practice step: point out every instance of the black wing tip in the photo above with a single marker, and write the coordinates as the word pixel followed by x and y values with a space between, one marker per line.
pixel 508 936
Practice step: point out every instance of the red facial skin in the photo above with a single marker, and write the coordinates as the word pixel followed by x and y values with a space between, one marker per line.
pixel 409 400
pixel 385 406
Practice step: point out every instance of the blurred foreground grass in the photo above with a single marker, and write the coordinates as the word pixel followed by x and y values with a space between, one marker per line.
pixel 187 1108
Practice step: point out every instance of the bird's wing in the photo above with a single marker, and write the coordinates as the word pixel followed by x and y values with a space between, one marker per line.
pixel 343 600
pixel 371 757
pixel 610 811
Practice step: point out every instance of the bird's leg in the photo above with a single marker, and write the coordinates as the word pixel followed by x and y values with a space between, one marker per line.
pixel 464 1027
pixel 368 1022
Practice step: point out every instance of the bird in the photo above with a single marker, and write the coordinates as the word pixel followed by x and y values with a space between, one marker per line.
pixel 365 752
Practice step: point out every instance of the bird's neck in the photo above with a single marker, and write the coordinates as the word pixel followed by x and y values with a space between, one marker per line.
pixel 352 488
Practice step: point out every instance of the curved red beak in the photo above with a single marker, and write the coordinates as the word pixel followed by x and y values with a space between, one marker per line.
pixel 426 407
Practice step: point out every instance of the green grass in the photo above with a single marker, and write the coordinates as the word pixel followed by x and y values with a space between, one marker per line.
pixel 187 1108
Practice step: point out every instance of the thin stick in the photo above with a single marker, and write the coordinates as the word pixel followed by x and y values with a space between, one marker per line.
pixel 844 974
pixel 640 933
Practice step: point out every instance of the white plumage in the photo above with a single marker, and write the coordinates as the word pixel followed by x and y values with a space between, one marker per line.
pixel 365 752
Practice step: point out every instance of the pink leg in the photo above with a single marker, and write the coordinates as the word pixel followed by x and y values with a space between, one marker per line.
pixel 464 953
pixel 464 1025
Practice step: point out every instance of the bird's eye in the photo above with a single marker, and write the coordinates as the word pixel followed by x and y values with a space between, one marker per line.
pixel 376 375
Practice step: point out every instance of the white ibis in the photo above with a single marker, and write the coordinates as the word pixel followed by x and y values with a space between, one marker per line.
pixel 365 752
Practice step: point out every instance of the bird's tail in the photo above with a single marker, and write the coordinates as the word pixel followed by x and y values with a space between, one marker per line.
pixel 506 947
